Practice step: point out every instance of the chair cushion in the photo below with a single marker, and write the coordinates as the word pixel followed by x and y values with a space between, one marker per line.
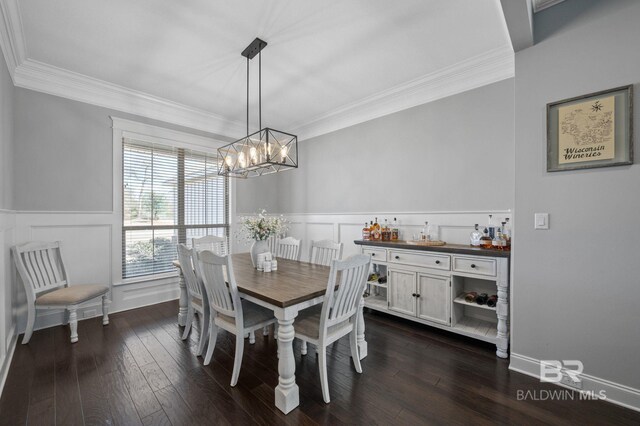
pixel 71 295
pixel 253 314
pixel 307 323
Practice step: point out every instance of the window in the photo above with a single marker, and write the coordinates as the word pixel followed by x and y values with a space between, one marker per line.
pixel 170 195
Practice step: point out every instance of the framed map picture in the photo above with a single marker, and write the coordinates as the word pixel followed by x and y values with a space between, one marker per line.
pixel 594 130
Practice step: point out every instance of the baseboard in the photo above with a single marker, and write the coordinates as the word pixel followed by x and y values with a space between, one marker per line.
pixel 6 359
pixel 618 394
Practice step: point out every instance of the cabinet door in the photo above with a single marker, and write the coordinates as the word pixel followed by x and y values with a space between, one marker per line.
pixel 434 300
pixel 402 287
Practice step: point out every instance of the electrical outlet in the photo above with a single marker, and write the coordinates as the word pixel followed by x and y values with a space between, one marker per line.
pixel 90 313
pixel 567 380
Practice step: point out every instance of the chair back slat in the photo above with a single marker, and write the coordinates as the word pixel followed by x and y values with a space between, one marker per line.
pixel 342 304
pixel 324 252
pixel 289 248
pixel 213 243
pixel 192 282
pixel 40 266
pixel 274 242
pixel 223 297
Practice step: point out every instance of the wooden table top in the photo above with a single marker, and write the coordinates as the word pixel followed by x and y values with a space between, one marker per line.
pixel 294 282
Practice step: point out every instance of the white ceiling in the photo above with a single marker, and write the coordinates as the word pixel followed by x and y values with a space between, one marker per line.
pixel 328 64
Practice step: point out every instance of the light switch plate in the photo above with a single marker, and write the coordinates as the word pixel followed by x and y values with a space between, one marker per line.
pixel 541 220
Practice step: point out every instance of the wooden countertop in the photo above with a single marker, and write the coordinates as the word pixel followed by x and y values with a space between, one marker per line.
pixel 447 248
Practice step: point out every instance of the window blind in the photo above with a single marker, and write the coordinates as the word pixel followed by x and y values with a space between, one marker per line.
pixel 170 195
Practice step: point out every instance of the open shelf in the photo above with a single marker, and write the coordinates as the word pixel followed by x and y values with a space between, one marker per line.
pixel 474 327
pixel 460 300
pixel 377 284
pixel 376 302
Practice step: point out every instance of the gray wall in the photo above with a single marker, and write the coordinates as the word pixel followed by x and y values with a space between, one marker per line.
pixel 6 136
pixel 452 154
pixel 576 286
pixel 63 153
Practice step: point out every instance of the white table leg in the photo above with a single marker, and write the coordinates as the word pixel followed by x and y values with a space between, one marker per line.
pixel 362 344
pixel 287 394
pixel 182 311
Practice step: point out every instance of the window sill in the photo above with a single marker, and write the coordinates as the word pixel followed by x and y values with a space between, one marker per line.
pixel 146 278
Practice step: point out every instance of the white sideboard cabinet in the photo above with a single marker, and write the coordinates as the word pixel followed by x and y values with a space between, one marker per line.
pixel 427 284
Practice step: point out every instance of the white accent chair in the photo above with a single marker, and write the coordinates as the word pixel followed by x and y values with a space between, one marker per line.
pixel 322 325
pixel 214 243
pixel 196 303
pixel 324 251
pixel 228 311
pixel 289 248
pixel 46 284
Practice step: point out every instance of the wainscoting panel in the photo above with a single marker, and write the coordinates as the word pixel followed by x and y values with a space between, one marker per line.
pixel 454 227
pixel 7 293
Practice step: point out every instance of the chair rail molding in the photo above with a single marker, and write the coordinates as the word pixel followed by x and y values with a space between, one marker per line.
pixel 454 226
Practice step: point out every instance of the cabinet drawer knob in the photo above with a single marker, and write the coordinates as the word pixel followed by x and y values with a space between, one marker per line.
pixel 417 295
pixel 473 265
pixel 437 262
pixel 413 294
pixel 397 257
pixel 373 254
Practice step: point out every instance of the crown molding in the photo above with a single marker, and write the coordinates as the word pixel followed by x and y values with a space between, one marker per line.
pixel 12 40
pixel 41 77
pixel 539 5
pixel 487 68
pixel 490 67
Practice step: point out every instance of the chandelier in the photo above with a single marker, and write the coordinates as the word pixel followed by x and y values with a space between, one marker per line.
pixel 265 151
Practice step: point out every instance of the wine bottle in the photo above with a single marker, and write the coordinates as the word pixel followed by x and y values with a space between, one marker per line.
pixel 482 298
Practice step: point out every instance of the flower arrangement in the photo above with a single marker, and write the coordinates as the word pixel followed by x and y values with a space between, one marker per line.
pixel 262 226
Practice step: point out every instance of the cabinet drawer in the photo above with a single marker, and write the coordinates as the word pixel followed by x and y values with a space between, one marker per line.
pixel 474 265
pixel 428 260
pixel 377 255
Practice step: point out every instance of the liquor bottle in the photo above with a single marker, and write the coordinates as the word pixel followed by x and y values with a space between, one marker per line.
pixel 376 234
pixel 485 240
pixel 507 241
pixel 366 232
pixel 475 236
pixel 491 228
pixel 498 241
pixel 386 231
pixel 506 231
pixel 395 232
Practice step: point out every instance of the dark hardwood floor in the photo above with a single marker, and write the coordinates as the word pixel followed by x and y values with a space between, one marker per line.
pixel 138 371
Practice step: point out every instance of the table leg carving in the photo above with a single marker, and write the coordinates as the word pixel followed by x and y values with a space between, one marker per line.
pixel 182 310
pixel 362 344
pixel 286 393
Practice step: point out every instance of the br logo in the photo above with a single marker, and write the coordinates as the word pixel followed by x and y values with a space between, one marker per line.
pixel 552 370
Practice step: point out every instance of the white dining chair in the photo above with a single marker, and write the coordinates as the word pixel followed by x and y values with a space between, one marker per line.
pixel 47 285
pixel 228 311
pixel 214 243
pixel 321 325
pixel 273 242
pixel 324 251
pixel 289 248
pixel 196 298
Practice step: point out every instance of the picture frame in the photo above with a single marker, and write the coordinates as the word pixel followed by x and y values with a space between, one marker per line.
pixel 589 131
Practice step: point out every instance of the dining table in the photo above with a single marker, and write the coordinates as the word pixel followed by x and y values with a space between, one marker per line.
pixel 294 286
